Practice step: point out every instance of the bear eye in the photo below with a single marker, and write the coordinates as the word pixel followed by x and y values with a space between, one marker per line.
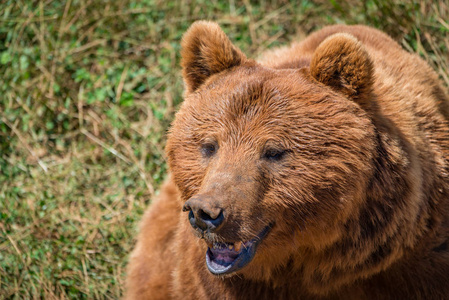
pixel 208 149
pixel 274 154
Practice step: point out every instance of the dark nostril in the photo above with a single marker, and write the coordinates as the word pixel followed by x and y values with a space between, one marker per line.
pixel 212 223
pixel 204 216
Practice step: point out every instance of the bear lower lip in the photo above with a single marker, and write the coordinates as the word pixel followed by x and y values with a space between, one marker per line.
pixel 221 260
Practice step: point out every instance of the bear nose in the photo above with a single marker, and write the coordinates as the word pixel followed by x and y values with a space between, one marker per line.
pixel 202 216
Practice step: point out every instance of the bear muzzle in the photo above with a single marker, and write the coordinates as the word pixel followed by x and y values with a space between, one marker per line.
pixel 222 258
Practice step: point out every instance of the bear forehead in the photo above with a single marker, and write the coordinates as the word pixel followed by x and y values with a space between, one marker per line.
pixel 243 90
pixel 273 96
pixel 257 83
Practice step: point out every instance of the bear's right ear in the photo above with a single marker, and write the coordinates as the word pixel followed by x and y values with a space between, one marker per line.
pixel 342 63
pixel 206 50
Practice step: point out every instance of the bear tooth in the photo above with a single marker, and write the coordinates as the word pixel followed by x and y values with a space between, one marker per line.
pixel 237 246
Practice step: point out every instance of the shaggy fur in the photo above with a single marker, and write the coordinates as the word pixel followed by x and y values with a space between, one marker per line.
pixel 340 142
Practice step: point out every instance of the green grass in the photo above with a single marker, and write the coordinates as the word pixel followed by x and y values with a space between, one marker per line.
pixel 87 91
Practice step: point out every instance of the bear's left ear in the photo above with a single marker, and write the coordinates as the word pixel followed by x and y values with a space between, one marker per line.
pixel 342 63
pixel 206 50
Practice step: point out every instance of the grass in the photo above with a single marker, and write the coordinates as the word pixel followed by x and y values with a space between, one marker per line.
pixel 87 92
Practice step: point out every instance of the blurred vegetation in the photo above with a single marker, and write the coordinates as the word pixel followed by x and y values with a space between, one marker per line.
pixel 87 91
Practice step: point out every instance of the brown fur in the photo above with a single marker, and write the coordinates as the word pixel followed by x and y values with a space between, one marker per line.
pixel 359 201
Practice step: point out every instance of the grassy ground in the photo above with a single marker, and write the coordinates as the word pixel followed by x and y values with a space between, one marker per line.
pixel 87 91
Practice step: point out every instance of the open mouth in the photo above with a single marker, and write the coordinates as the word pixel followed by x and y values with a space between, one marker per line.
pixel 225 258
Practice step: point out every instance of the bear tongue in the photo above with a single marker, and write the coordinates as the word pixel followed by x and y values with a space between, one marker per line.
pixel 223 256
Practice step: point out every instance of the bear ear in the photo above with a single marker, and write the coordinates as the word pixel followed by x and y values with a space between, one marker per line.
pixel 342 63
pixel 206 50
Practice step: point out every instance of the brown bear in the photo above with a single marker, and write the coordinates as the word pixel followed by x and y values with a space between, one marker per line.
pixel 320 171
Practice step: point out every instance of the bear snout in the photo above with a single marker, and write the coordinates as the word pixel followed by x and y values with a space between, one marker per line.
pixel 203 216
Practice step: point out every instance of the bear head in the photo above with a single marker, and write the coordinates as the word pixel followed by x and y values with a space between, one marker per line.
pixel 272 164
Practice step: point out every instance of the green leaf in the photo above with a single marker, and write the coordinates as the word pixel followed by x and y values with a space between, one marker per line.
pixel 127 99
pixel 5 58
